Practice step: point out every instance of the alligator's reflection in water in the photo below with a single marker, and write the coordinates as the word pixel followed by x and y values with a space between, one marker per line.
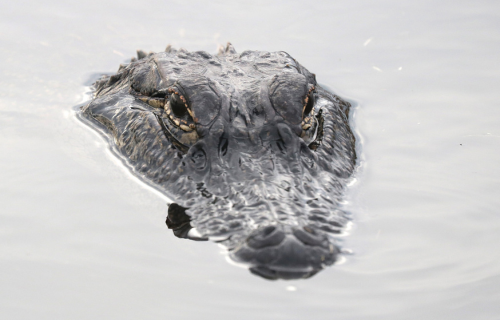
pixel 255 153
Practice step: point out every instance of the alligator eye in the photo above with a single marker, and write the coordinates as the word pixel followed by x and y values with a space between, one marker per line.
pixel 178 111
pixel 308 103
pixel 178 106
pixel 309 123
pixel 180 122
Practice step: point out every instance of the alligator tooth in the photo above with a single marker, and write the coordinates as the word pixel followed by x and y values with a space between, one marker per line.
pixel 306 126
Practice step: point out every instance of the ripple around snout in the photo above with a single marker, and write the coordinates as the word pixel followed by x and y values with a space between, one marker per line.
pixel 285 252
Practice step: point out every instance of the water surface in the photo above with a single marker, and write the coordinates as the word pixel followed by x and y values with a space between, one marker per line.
pixel 81 238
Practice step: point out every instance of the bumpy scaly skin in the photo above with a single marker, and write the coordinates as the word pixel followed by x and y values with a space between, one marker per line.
pixel 248 145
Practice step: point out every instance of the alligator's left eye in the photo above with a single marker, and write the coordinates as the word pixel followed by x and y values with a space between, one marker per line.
pixel 178 111
pixel 178 118
pixel 177 105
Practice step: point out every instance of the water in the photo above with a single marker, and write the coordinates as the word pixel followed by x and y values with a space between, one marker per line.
pixel 81 238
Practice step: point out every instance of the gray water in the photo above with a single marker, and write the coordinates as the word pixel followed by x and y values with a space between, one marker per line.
pixel 83 239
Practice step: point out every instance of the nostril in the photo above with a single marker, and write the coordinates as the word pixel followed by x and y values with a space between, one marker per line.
pixel 310 230
pixel 196 157
pixel 223 143
pixel 265 237
pixel 199 159
pixel 268 230
pixel 310 237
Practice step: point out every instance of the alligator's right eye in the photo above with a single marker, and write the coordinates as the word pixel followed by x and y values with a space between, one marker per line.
pixel 308 103
pixel 309 123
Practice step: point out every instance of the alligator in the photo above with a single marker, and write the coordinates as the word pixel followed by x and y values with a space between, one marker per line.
pixel 254 153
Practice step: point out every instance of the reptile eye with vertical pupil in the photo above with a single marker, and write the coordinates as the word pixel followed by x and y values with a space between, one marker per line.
pixel 177 105
pixel 309 105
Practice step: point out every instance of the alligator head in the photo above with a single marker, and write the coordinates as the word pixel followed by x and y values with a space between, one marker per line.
pixel 253 151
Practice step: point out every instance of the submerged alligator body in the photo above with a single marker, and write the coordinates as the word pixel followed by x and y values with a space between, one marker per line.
pixel 255 154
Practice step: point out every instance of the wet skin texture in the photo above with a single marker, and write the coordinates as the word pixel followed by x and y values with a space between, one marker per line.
pixel 255 154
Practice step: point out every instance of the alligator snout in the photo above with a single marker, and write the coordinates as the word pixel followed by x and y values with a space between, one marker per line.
pixel 282 251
